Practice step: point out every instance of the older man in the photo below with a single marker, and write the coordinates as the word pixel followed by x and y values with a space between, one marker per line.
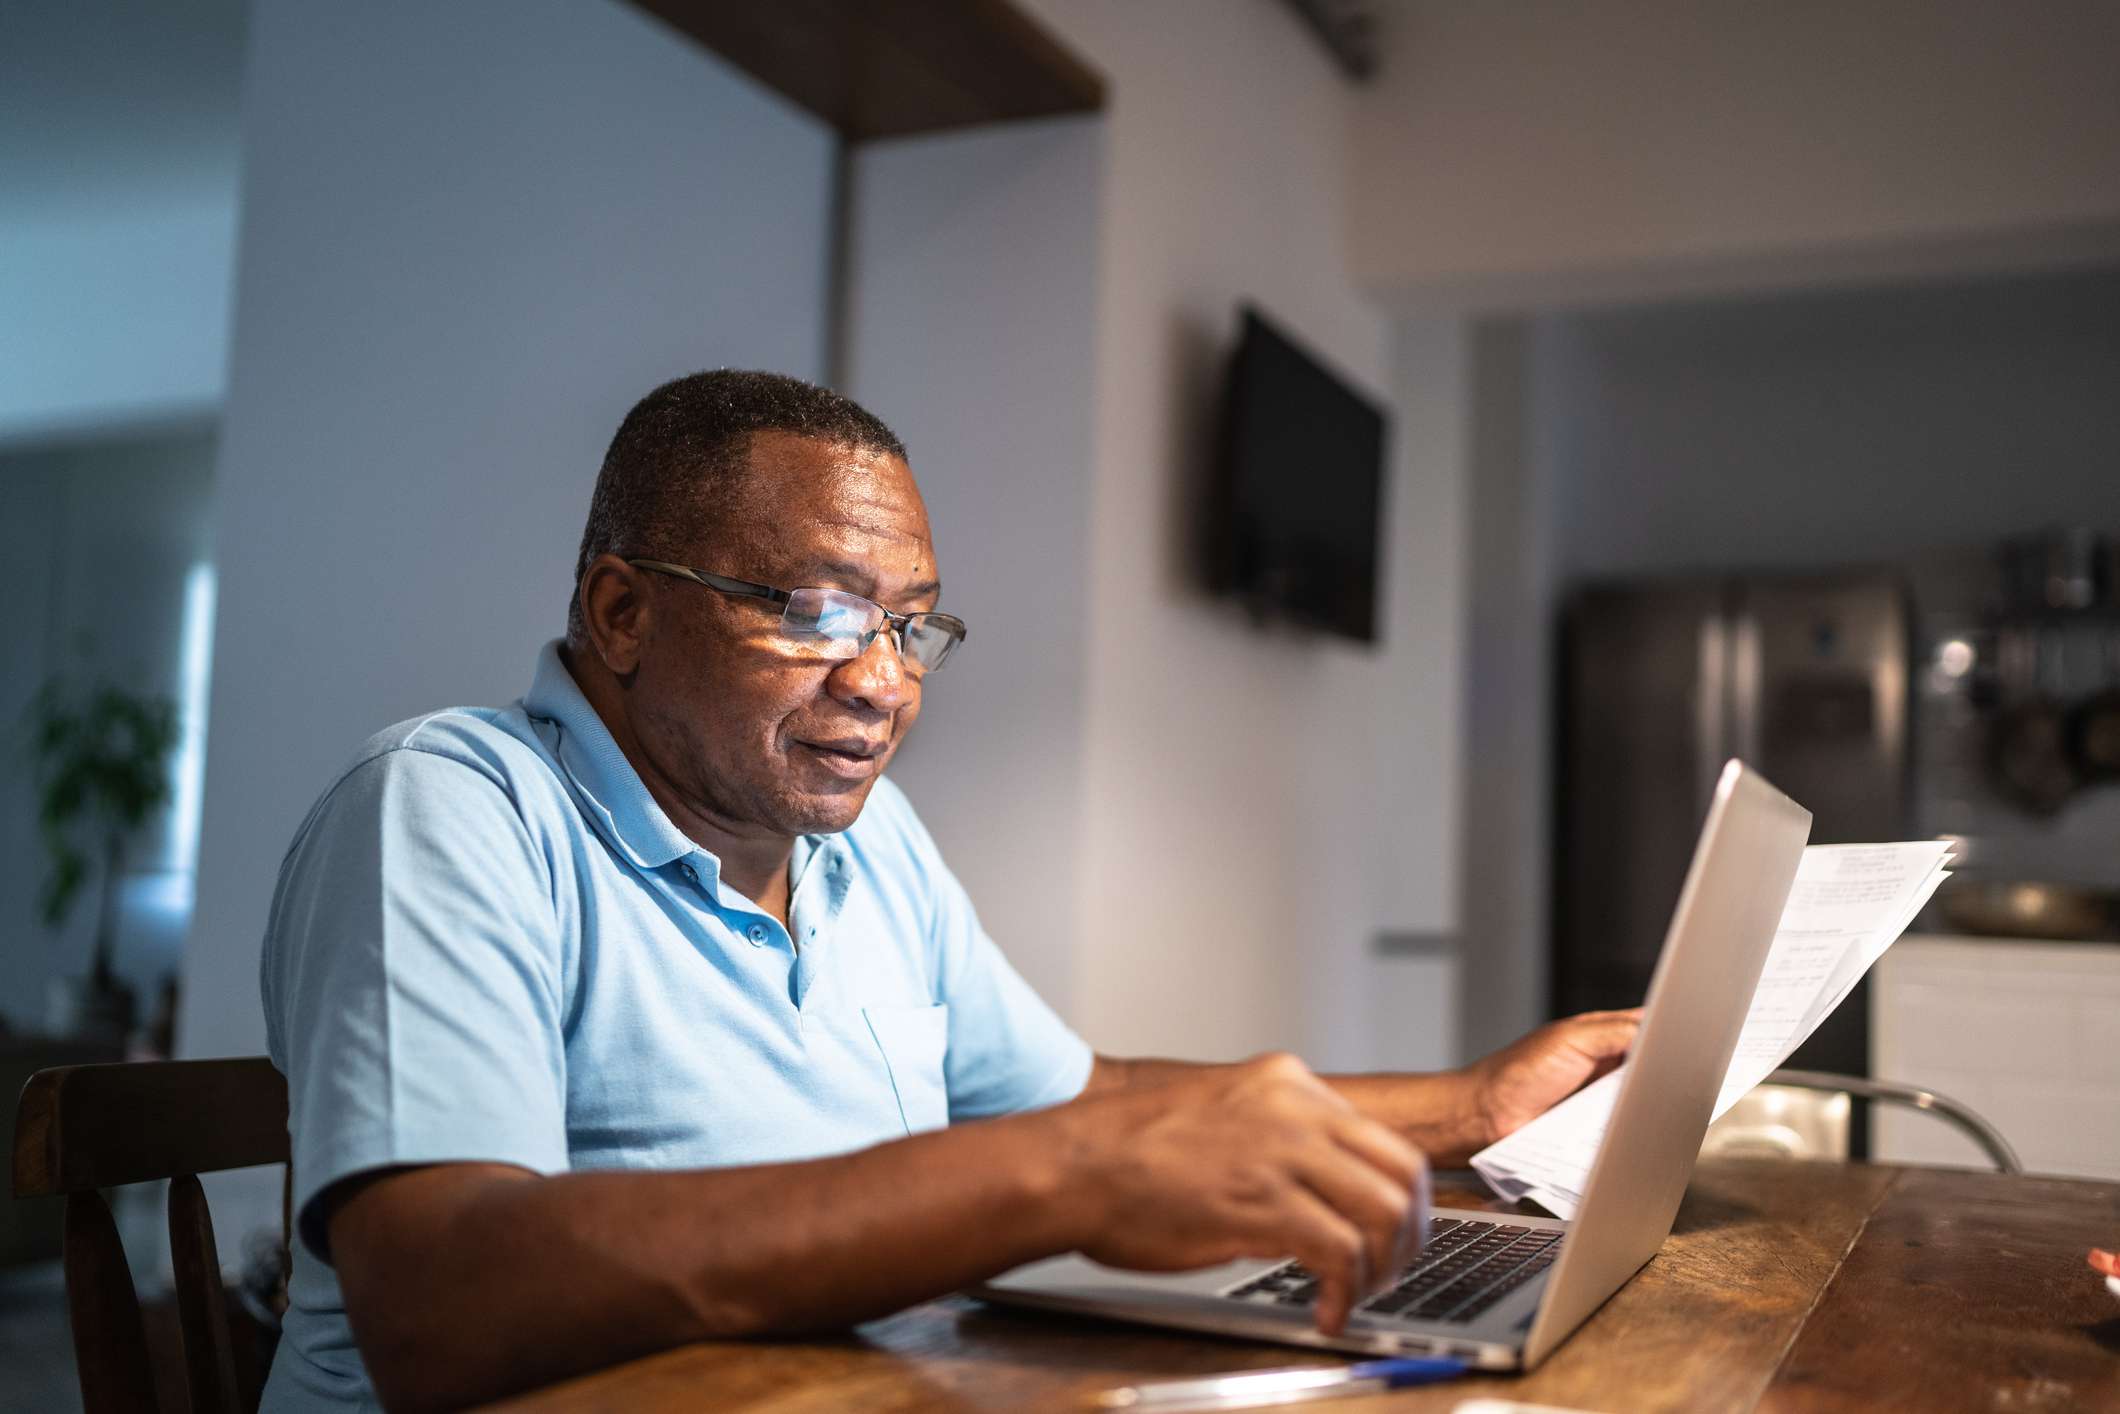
pixel 644 1011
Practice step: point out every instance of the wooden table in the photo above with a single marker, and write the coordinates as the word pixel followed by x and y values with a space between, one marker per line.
pixel 1784 1287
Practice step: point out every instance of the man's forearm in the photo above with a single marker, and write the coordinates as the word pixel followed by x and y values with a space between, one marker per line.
pixel 536 1278
pixel 1438 1113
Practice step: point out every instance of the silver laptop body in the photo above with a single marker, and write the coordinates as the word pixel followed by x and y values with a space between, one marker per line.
pixel 1720 932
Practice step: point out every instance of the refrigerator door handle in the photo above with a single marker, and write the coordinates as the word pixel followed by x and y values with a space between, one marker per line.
pixel 1711 707
pixel 1745 685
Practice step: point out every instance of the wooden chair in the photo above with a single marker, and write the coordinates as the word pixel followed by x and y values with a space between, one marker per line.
pixel 83 1128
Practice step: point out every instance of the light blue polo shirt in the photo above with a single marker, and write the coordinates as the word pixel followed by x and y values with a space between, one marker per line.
pixel 489 944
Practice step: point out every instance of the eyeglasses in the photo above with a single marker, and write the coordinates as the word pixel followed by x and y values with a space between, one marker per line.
pixel 832 623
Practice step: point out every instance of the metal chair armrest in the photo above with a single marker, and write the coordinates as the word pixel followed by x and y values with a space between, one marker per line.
pixel 1944 1107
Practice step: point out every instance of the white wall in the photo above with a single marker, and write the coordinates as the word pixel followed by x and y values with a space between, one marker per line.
pixel 1417 858
pixel 131 309
pixel 1541 151
pixel 1233 778
pixel 118 182
pixel 1230 815
pixel 969 327
pixel 1508 681
pixel 472 235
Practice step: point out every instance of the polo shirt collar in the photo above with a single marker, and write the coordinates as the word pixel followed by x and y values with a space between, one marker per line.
pixel 603 780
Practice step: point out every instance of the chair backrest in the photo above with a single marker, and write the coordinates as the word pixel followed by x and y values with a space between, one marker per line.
pixel 83 1128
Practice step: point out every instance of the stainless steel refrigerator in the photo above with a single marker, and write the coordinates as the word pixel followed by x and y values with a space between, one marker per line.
pixel 1661 682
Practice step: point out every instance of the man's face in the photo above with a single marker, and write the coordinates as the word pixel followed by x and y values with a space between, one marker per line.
pixel 760 737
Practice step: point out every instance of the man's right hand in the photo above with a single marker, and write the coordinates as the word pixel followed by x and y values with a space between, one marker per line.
pixel 1261 1159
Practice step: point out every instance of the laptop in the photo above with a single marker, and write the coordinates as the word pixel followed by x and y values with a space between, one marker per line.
pixel 1500 1291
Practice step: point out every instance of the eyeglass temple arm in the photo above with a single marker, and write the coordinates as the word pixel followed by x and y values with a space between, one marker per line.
pixel 743 587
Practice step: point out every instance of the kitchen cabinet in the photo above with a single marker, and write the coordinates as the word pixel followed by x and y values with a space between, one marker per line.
pixel 2024 1031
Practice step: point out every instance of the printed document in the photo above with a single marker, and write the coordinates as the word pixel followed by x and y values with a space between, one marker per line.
pixel 1849 903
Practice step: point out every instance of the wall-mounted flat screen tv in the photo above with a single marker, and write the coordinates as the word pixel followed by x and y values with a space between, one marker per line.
pixel 1299 486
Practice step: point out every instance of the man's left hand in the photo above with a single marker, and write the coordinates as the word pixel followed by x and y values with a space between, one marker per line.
pixel 1526 1078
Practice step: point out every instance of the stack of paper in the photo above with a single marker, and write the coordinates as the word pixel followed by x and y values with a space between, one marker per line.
pixel 1849 903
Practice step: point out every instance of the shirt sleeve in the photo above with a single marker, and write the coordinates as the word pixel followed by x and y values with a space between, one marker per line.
pixel 413 980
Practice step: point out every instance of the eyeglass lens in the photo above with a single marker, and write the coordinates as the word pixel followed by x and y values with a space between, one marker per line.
pixel 835 624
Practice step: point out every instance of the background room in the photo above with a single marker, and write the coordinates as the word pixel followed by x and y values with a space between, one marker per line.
pixel 313 325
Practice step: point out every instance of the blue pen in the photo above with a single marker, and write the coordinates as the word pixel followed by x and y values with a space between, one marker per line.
pixel 1295 1385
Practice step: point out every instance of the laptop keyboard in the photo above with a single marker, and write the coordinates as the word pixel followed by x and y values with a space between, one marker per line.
pixel 1465 1268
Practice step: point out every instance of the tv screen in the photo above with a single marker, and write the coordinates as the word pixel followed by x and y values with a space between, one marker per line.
pixel 1300 485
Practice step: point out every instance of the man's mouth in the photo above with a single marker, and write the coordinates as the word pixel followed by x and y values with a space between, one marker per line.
pixel 852 758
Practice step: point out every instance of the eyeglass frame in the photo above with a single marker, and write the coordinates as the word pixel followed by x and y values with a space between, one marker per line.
pixel 751 589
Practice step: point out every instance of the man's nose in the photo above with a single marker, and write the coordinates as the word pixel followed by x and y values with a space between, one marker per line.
pixel 877 677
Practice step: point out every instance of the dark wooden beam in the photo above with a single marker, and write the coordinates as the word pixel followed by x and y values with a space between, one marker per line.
pixel 1347 29
pixel 891 68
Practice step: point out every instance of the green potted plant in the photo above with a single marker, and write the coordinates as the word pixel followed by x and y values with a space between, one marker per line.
pixel 102 771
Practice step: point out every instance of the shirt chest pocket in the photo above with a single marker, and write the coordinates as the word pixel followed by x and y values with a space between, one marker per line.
pixel 914 1041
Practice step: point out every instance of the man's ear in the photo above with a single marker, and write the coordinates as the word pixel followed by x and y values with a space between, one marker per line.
pixel 615 609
